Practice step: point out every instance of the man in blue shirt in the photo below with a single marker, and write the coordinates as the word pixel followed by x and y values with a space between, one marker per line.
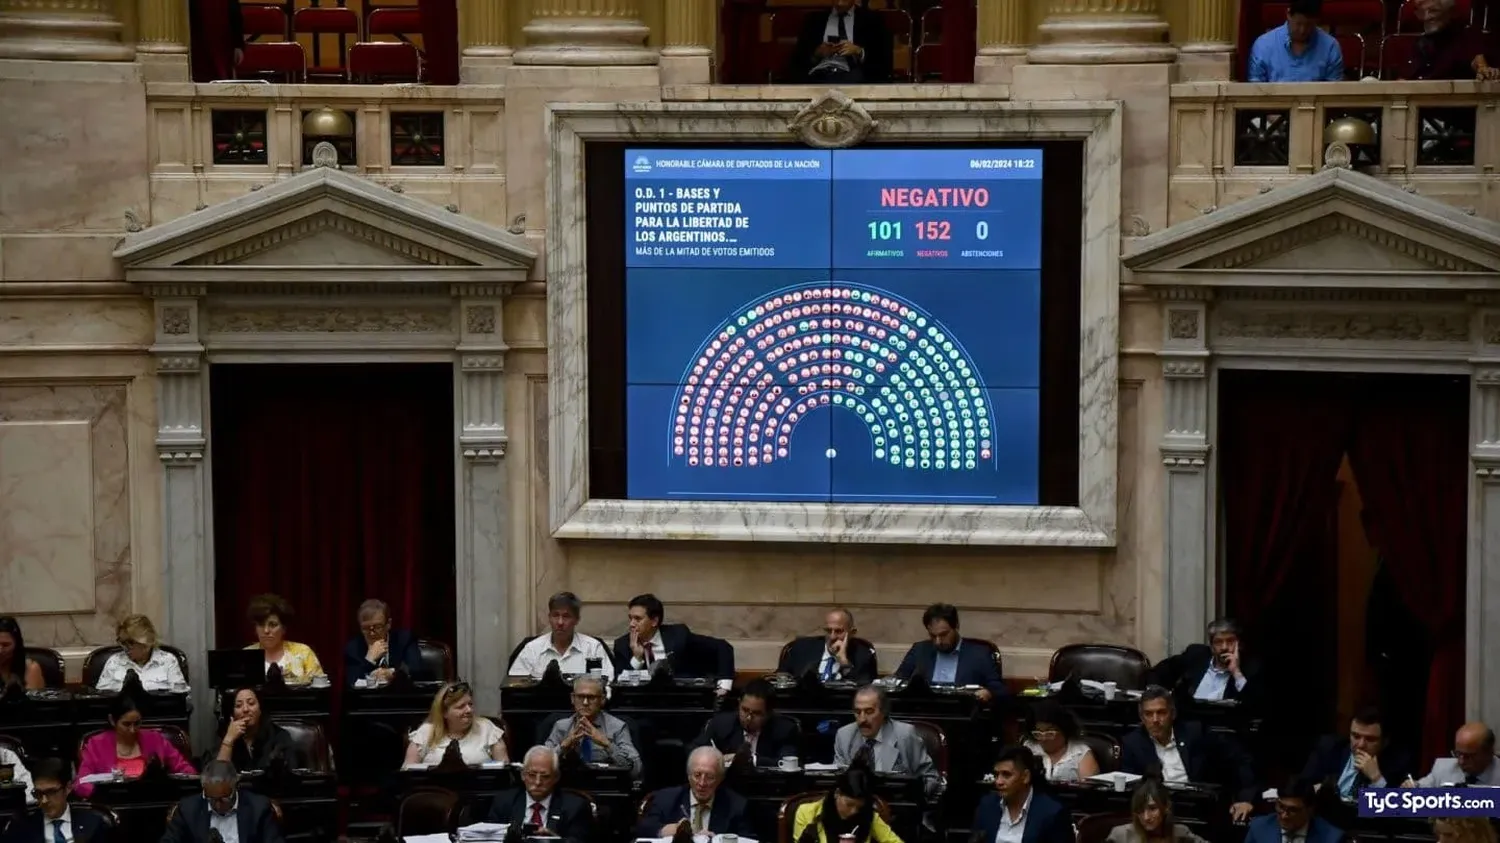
pixel 1297 51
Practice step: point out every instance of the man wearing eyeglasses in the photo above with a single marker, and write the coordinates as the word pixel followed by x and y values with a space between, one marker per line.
pixel 539 807
pixel 223 811
pixel 1473 761
pixel 596 737
pixel 56 822
pixel 379 650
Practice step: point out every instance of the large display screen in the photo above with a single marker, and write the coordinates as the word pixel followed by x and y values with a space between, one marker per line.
pixel 839 326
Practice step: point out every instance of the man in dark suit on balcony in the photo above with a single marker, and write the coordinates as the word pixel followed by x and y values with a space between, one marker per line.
pixel 848 45
pixel 944 660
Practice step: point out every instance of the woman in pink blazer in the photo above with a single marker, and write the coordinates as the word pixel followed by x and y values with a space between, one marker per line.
pixel 127 748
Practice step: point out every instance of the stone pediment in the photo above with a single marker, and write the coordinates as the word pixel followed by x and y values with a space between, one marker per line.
pixel 326 225
pixel 1335 228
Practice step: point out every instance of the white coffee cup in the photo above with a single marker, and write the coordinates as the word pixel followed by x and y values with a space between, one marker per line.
pixel 729 838
pixel 789 764
pixel 1109 690
pixel 1120 781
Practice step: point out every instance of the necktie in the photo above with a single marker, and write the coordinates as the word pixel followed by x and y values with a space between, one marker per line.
pixel 1471 779
pixel 1346 779
pixel 828 668
pixel 586 750
pixel 650 656
pixel 57 835
pixel 536 815
pixel 699 810
pixel 843 26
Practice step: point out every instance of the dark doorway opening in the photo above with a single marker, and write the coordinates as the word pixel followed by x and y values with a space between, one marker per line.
pixel 1343 528
pixel 333 484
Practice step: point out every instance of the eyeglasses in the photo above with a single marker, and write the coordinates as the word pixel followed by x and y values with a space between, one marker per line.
pixel 538 775
pixel 46 793
pixel 1466 756
pixel 1044 734
pixel 373 628
pixel 588 697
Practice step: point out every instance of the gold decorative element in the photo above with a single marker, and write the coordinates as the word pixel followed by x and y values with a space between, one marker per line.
pixel 406 319
pixel 162 27
pixel 327 221
pixel 832 121
pixel 1103 32
pixel 690 27
pixel 586 33
pixel 1329 226
pixel 1182 324
pixel 62 30
pixel 176 320
pixel 480 319
pixel 1002 27
pixel 483 27
pixel 1381 326
pixel 327 122
pixel 1350 130
pixel 1210 26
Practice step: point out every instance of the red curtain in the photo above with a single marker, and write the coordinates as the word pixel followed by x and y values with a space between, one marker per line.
pixel 960 22
pixel 333 484
pixel 210 41
pixel 1410 455
pixel 440 40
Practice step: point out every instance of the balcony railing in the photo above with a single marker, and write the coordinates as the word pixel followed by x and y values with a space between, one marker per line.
pixel 1234 140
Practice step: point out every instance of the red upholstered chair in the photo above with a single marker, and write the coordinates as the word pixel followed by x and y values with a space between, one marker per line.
pixel 385 61
pixel 318 21
pixel 786 25
pixel 397 22
pixel 281 57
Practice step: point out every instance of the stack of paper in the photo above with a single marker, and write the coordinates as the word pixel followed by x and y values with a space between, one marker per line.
pixel 426 838
pixel 482 832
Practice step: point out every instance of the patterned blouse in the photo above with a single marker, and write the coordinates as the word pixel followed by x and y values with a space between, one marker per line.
pixel 299 664
pixel 159 673
pixel 1065 769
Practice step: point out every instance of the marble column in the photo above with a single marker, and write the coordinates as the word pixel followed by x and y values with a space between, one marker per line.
pixel 162 40
pixel 62 30
pixel 484 35
pixel 1207 48
pixel 482 572
pixel 1484 533
pixel 692 31
pixel 181 445
pixel 1188 569
pixel 1103 32
pixel 1003 40
pixel 586 33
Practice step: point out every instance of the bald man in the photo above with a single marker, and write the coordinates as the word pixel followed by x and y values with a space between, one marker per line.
pixel 1473 760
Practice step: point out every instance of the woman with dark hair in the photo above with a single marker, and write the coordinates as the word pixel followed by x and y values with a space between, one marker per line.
pixel 251 740
pixel 15 668
pixel 1054 740
pixel 1151 819
pixel 299 664
pixel 127 748
pixel 847 810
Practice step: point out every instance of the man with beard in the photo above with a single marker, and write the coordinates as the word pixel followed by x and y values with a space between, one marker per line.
pixel 944 659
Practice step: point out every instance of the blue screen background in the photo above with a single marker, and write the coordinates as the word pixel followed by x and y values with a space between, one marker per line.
pixel 853 364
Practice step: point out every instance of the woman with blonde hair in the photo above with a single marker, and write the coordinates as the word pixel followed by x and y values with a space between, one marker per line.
pixel 1463 830
pixel 452 720
pixel 157 668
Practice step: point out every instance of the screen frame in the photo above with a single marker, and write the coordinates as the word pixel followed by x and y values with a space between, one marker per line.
pixel 573 515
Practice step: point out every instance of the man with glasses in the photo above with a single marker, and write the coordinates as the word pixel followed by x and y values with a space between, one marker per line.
pixel 1295 820
pixel 702 804
pixel 596 737
pixel 754 731
pixel 378 651
pixel 1473 761
pixel 539 807
pixel 834 656
pixel 224 810
pixel 56 822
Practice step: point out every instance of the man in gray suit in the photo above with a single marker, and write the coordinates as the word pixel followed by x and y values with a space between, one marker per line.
pixel 1473 760
pixel 891 746
pixel 594 736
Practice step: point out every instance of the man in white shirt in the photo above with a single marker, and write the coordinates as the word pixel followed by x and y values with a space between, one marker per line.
pixel 574 652
pixel 1185 752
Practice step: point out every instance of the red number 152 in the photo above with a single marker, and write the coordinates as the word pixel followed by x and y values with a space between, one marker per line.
pixel 935 230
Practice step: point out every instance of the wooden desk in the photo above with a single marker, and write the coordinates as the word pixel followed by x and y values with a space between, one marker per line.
pixel 50 723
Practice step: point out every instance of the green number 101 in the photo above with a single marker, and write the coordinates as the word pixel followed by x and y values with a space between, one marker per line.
pixel 885 230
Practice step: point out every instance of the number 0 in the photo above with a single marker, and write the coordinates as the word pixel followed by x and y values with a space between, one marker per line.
pixel 982 230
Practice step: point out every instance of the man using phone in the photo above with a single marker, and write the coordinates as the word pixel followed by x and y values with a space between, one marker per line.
pixel 848 45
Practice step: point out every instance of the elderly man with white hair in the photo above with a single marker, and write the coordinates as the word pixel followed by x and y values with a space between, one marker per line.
pixel 702 804
pixel 1449 46
pixel 539 806
pixel 593 735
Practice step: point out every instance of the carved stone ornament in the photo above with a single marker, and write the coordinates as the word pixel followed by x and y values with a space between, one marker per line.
pixel 333 320
pixel 325 154
pixel 1338 156
pixel 1492 330
pixel 176 321
pixel 832 121
pixel 480 319
pixel 1385 326
pixel 1182 324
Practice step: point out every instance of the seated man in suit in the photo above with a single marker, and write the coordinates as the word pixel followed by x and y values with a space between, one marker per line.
pixel 1185 752
pixel 238 816
pixel 1473 760
pixel 944 660
pixel 650 642
pixel 832 656
pixel 1016 811
pixel 378 651
pixel 56 819
pixel 1214 671
pixel 753 731
pixel 889 745
pixel 574 652
pixel 540 808
pixel 707 808
pixel 1295 820
pixel 1362 759
pixel 596 737
pixel 846 46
